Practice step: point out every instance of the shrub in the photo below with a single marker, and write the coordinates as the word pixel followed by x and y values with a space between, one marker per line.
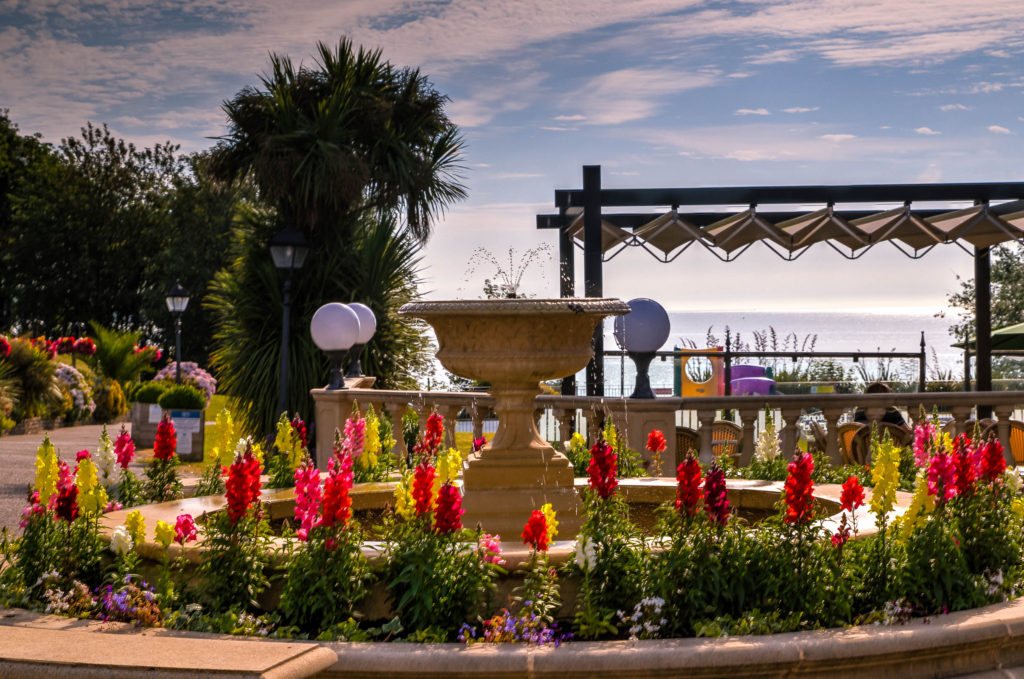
pixel 182 397
pixel 34 372
pixel 149 392
pixel 109 398
pixel 191 374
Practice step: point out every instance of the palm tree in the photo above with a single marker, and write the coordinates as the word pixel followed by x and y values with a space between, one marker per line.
pixel 354 133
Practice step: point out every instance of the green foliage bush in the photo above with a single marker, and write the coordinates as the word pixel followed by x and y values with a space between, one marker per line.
pixel 109 398
pixel 182 397
pixel 35 375
pixel 150 392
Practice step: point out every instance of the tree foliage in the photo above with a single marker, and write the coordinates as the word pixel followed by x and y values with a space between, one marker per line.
pixel 1007 284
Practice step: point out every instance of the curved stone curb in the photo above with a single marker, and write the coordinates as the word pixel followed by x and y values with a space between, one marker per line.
pixel 983 641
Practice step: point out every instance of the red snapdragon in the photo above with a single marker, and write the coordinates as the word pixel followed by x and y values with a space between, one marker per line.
pixel 307 497
pixel 423 487
pixel 535 532
pixel 337 506
pixel 963 462
pixel 449 510
pixel 166 442
pixel 124 448
pixel 942 477
pixel 5 347
pixel 852 495
pixel 299 430
pixel 716 496
pixel 688 486
pixel 603 466
pixel 243 484
pixel 993 463
pixel 185 529
pixel 800 489
pixel 65 501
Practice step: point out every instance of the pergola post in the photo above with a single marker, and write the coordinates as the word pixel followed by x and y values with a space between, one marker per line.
pixel 593 283
pixel 566 281
pixel 983 325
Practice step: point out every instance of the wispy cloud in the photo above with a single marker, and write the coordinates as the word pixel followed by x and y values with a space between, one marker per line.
pixel 998 129
pixel 838 137
pixel 555 128
pixel 633 93
pixel 955 107
pixel 801 109
pixel 926 130
pixel 753 112
pixel 573 118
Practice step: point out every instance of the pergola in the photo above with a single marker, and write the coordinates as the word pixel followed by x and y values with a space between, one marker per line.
pixel 788 220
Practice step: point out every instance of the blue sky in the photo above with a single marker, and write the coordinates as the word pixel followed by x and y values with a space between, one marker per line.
pixel 659 93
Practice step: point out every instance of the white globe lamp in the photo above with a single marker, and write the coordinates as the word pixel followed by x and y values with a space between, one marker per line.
pixel 367 326
pixel 335 328
pixel 641 333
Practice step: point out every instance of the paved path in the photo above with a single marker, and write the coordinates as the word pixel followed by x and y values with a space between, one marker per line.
pixel 17 463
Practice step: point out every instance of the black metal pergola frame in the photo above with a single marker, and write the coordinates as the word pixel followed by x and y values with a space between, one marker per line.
pixel 592 199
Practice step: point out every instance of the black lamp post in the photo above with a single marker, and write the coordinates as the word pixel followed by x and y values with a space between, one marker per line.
pixel 288 248
pixel 177 302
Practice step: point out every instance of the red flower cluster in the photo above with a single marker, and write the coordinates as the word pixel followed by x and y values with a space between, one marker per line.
pixel 431 437
pixel 800 489
pixel 449 510
pixel 423 487
pixel 993 464
pixel 942 477
pixel 337 504
pixel 85 346
pixel 535 532
pixel 65 502
pixel 478 444
pixel 852 496
pixel 154 352
pixel 716 497
pixel 688 482
pixel 5 347
pixel 604 464
pixel 124 448
pixel 166 442
pixel 243 484
pixel 185 529
pixel 65 345
pixel 963 462
pixel 656 441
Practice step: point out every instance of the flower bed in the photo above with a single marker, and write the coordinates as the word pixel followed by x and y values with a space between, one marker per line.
pixel 704 572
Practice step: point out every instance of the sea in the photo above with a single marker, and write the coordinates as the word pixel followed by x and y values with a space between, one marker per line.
pixel 800 331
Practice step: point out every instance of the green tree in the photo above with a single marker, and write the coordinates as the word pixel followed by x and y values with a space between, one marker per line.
pixel 336 151
pixel 1007 277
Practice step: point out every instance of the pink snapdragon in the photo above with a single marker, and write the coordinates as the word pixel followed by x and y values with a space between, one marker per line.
pixel 307 497
pixel 124 448
pixel 185 529
pixel 942 477
pixel 923 434
pixel 490 549
pixel 355 436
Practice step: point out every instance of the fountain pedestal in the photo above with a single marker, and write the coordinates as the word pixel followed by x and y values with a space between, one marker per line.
pixel 514 344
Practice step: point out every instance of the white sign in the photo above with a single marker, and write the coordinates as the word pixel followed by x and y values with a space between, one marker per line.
pixel 155 412
pixel 186 423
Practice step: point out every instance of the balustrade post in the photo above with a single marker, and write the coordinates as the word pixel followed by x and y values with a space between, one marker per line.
pixel 450 415
pixel 566 418
pixel 960 415
pixel 789 436
pixel 1003 415
pixel 832 451
pixel 478 420
pixel 707 420
pixel 748 417
pixel 396 411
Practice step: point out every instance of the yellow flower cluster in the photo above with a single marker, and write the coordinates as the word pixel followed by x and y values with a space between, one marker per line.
pixel 136 526
pixel 92 498
pixel 920 507
pixel 449 465
pixel 46 470
pixel 371 448
pixel 611 435
pixel 164 533
pixel 552 523
pixel 405 506
pixel 223 451
pixel 886 476
pixel 288 444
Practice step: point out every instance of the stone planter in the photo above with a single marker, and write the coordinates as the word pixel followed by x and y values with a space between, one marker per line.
pixel 145 418
pixel 190 426
pixel 30 425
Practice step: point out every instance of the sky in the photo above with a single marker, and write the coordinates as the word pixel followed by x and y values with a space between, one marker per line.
pixel 680 93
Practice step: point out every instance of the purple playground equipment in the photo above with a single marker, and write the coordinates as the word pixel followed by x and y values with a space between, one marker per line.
pixel 750 380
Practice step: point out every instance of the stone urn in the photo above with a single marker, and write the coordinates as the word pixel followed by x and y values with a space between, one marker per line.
pixel 514 344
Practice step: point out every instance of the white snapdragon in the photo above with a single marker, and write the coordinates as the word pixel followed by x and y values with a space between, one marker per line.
pixel 586 554
pixel 121 541
pixel 106 461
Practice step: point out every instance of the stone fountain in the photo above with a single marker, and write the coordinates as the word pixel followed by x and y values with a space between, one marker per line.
pixel 514 344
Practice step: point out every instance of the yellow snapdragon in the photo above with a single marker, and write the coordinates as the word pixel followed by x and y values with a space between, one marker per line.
pixel 405 506
pixel 164 533
pixel 223 451
pixel 136 525
pixel 371 448
pixel 886 475
pixel 552 523
pixel 920 507
pixel 46 470
pixel 449 464
pixel 92 498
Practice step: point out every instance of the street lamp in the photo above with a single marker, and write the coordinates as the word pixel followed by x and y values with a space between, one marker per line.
pixel 640 333
pixel 367 326
pixel 177 302
pixel 288 249
pixel 335 328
